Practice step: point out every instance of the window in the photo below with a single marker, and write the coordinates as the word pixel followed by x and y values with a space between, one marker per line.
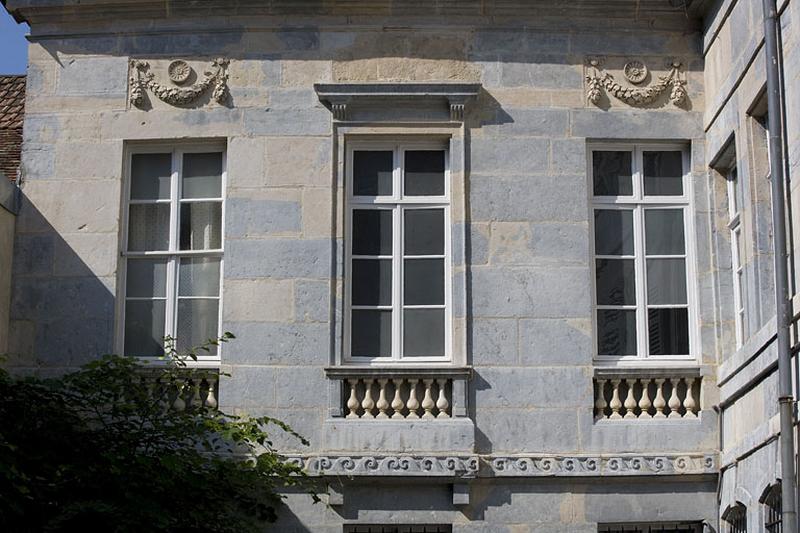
pixel 736 518
pixel 735 205
pixel 672 527
pixel 398 253
pixel 640 203
pixel 173 248
pixel 773 520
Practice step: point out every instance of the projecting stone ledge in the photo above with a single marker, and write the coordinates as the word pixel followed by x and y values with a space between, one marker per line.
pixel 391 101
pixel 471 466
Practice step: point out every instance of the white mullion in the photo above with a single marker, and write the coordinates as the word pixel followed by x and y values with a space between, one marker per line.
pixel 397 284
pixel 174 236
pixel 642 340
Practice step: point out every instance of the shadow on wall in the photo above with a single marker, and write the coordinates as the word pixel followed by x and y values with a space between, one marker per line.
pixel 62 313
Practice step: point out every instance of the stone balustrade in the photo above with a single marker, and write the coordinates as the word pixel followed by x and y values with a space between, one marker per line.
pixel 627 394
pixel 197 389
pixel 398 393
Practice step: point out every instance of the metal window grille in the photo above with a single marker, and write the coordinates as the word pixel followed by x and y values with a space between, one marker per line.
pixel 664 527
pixel 772 511
pixel 419 528
pixel 737 519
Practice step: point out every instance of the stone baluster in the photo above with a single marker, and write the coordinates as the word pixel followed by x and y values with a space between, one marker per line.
pixel 630 401
pixel 441 402
pixel 427 401
pixel 383 404
pixel 616 404
pixel 196 400
pixel 413 403
pixel 179 404
pixel 674 402
pixel 600 404
pixel 689 402
pixel 211 398
pixel 352 401
pixel 397 401
pixel 162 390
pixel 644 401
pixel 659 403
pixel 368 404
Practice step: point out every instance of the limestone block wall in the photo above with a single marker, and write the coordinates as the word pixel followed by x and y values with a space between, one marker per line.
pixel 525 265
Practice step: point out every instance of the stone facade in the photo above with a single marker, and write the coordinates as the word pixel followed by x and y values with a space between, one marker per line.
pixel 288 87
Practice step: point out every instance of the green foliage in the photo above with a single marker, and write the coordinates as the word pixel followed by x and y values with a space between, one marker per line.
pixel 97 450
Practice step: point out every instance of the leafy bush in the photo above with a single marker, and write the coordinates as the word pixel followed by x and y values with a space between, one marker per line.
pixel 97 450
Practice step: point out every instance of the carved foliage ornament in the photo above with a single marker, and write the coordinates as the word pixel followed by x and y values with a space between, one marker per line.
pixel 179 72
pixel 635 71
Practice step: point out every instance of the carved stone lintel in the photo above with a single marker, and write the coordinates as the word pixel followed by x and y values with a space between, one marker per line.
pixel 141 78
pixel 635 71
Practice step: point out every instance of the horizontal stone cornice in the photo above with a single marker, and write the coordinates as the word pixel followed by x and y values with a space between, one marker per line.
pixel 509 466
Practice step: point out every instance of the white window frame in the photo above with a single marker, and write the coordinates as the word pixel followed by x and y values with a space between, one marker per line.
pixel 397 202
pixel 173 254
pixel 737 266
pixel 638 202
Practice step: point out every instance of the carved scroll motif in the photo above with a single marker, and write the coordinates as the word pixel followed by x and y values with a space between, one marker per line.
pixel 142 78
pixel 597 80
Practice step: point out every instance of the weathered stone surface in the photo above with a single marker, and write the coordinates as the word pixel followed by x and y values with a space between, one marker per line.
pixel 490 155
pixel 247 217
pixel 555 341
pixel 290 122
pixel 273 343
pixel 312 301
pixel 291 161
pixel 494 341
pixel 278 258
pixel 102 76
pixel 533 198
pixel 258 300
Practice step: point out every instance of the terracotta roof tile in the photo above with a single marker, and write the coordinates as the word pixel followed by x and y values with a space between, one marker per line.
pixel 12 110
pixel 12 101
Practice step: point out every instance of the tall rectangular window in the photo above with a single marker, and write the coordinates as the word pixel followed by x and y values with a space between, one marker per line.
pixel 735 205
pixel 640 212
pixel 398 253
pixel 173 248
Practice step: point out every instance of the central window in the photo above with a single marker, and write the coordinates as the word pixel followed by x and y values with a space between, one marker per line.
pixel 640 204
pixel 398 253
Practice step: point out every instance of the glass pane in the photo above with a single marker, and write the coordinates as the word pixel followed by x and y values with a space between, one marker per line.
pixel 613 232
pixel 199 276
pixel 372 282
pixel 663 173
pixel 151 175
pixel 735 199
pixel 424 231
pixel 423 332
pixel 202 175
pixel 146 278
pixel 144 327
pixel 372 173
pixel 612 173
pixel 669 331
pixel 616 282
pixel 664 232
pixel 371 333
pixel 201 224
pixel 666 281
pixel 198 321
pixel 423 282
pixel 372 232
pixel 616 332
pixel 424 173
pixel 148 227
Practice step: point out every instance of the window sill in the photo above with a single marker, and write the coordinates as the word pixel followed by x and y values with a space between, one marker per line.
pixel 656 369
pixel 399 370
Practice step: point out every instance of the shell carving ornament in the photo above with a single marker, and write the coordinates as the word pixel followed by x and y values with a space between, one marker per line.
pixel 141 79
pixel 598 80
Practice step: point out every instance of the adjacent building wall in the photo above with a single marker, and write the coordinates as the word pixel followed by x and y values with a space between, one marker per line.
pixel 735 82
